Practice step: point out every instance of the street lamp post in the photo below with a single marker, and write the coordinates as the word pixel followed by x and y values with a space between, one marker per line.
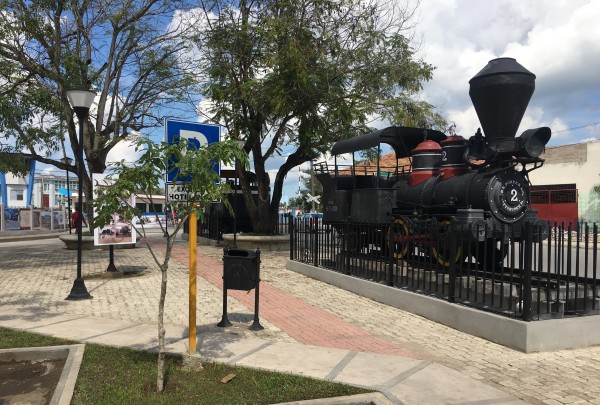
pixel 68 161
pixel 240 144
pixel 81 100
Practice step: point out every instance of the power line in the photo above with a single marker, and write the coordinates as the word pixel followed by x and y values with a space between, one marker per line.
pixel 579 127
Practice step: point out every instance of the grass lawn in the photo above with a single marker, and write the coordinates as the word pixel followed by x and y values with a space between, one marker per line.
pixel 111 375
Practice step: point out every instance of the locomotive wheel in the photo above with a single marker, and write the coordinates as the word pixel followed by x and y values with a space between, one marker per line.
pixel 351 241
pixel 440 246
pixel 400 233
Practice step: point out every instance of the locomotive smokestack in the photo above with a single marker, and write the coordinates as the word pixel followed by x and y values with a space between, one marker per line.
pixel 500 93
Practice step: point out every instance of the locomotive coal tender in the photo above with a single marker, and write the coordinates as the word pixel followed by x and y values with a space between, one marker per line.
pixel 479 187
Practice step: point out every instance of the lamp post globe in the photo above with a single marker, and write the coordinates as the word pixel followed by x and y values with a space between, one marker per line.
pixel 81 100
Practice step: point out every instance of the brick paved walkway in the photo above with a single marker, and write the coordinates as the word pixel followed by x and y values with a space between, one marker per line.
pixel 300 320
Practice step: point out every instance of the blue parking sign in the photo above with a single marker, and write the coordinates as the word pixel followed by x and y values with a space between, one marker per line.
pixel 197 135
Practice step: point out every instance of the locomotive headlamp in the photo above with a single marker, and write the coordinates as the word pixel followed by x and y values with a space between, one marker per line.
pixel 534 140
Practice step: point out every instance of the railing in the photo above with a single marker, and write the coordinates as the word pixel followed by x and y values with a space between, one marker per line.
pixel 532 273
pixel 216 224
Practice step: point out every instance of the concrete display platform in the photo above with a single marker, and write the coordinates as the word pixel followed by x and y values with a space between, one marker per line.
pixel 529 337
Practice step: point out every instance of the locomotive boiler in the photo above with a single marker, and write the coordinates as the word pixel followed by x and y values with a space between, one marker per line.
pixel 480 186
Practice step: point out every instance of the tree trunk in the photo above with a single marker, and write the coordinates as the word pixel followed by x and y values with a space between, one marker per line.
pixel 160 380
pixel 88 191
pixel 259 206
pixel 262 217
pixel 263 212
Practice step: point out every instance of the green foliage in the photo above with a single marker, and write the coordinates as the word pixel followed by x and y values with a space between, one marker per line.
pixel 309 73
pixel 11 162
pixel 145 177
pixel 370 155
pixel 125 50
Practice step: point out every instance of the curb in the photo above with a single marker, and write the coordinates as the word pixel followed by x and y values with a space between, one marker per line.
pixel 20 238
pixel 373 398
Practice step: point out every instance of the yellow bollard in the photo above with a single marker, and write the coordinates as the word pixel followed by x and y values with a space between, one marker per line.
pixel 192 283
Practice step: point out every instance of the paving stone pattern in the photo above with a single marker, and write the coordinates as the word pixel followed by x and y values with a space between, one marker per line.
pixel 292 308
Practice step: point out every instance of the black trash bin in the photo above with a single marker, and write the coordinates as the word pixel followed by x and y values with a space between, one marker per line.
pixel 240 268
pixel 241 271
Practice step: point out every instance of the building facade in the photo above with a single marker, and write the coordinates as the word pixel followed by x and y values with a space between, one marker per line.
pixel 52 190
pixel 576 163
pixel 14 193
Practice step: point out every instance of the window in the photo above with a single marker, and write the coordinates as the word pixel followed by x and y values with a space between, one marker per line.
pixel 16 195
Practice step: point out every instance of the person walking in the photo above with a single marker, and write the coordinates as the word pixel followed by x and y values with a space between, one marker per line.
pixel 77 217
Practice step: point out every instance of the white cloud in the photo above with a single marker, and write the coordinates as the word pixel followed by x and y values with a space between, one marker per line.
pixel 124 150
pixel 557 40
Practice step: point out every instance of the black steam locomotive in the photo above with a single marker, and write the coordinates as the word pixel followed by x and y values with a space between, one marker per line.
pixel 480 186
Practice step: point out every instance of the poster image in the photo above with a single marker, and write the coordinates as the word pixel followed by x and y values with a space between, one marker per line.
pixel 120 230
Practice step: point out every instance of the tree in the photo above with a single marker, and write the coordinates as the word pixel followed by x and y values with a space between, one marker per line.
pixel 296 202
pixel 203 188
pixel 117 47
pixel 305 74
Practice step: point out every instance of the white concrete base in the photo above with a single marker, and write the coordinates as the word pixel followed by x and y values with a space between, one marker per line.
pixel 535 336
pixel 70 241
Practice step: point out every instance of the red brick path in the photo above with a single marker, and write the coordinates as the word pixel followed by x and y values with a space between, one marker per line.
pixel 302 321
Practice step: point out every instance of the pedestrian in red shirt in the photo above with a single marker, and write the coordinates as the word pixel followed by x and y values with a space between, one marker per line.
pixel 75 218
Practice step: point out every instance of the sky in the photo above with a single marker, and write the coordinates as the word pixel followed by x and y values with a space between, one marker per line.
pixel 557 40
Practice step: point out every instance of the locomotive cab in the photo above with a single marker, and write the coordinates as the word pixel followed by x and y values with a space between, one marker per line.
pixel 366 191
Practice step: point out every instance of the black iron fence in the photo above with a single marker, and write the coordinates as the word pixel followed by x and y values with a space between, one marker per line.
pixel 534 273
pixel 216 223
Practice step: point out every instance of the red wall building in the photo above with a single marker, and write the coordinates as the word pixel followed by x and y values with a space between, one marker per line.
pixel 556 203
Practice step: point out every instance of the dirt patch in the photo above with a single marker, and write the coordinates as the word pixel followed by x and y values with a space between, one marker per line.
pixel 29 381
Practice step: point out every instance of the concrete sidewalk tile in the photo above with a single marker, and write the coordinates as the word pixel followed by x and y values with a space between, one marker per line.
pixel 437 384
pixel 296 358
pixel 31 318
pixel 374 369
pixel 226 346
pixel 136 336
pixel 83 328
